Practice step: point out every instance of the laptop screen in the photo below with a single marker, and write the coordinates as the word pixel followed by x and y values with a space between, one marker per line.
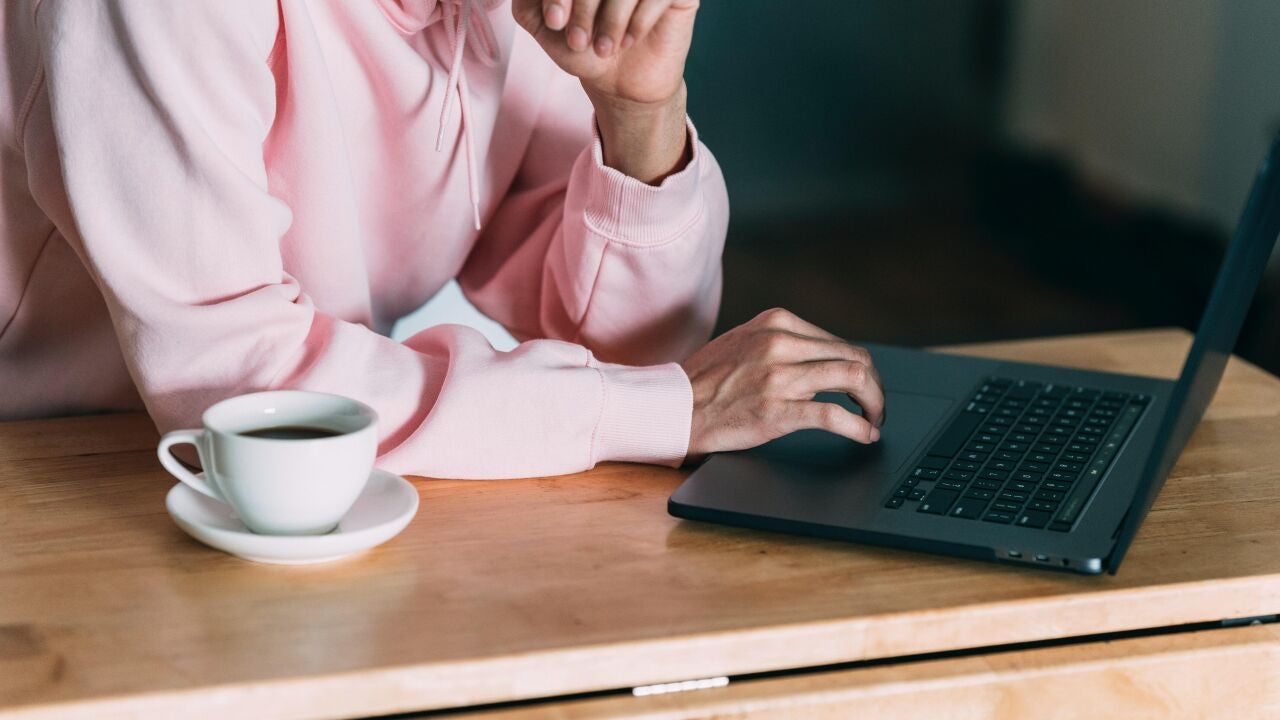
pixel 1233 292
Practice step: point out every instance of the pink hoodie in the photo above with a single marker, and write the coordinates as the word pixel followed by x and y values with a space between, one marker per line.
pixel 201 199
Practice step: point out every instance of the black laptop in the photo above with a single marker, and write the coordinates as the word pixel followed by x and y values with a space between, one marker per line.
pixel 1012 462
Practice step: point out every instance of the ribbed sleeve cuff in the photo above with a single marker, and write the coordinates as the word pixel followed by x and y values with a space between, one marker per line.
pixel 626 210
pixel 646 416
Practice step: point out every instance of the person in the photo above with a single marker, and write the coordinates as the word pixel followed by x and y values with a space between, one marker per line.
pixel 202 199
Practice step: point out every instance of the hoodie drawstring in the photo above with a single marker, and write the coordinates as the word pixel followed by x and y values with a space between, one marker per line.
pixel 459 24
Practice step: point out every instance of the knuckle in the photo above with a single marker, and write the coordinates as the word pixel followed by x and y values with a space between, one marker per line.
pixel 858 374
pixel 861 354
pixel 830 414
pixel 773 317
pixel 775 343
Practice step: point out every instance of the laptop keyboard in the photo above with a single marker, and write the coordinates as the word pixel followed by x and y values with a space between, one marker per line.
pixel 1022 453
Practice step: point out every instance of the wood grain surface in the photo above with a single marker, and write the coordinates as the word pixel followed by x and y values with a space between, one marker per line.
pixel 542 587
pixel 1229 673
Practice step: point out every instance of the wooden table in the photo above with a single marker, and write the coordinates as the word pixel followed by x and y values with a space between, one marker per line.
pixel 507 591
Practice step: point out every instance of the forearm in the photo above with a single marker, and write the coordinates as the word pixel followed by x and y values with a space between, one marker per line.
pixel 646 141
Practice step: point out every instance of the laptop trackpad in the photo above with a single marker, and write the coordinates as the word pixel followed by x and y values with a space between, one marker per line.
pixel 909 419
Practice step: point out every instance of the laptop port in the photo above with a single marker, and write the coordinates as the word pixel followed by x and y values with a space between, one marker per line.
pixel 1042 558
pixel 1015 554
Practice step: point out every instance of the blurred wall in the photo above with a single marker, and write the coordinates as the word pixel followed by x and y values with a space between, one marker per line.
pixel 814 104
pixel 1172 101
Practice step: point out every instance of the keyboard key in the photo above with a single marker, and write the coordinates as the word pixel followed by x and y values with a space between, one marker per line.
pixel 1079 447
pixel 973 456
pixel 1023 434
pixel 1033 518
pixel 1027 477
pixel 1056 391
pixel 1013 496
pixel 901 492
pixel 1074 457
pixel 895 502
pixel 1045 447
pixel 1049 496
pixel 1041 457
pixel 1006 422
pixel 998 517
pixel 1042 506
pixel 1140 399
pixel 985 437
pixel 1069 466
pixel 1034 467
pixel 980 447
pixel 1006 506
pixel 986 484
pixel 1021 487
pixel 1055 485
pixel 1063 476
pixel 980 494
pixel 950 485
pixel 952 439
pixel 1006 465
pixel 993 429
pixel 925 473
pixel 917 494
pixel 1024 389
pixel 1006 455
pixel 995 474
pixel 957 475
pixel 1079 495
pixel 966 465
pixel 938 501
pixel 1014 447
pixel 968 508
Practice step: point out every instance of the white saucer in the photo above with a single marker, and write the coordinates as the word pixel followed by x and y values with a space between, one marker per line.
pixel 385 507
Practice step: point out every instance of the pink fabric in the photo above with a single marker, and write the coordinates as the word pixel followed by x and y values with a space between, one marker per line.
pixel 201 199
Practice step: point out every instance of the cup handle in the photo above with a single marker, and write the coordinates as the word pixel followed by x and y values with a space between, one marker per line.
pixel 176 469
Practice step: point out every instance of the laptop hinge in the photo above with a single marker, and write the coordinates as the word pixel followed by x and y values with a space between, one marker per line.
pixel 1252 620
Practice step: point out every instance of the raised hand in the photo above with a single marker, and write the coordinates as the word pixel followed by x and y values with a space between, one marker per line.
pixel 629 56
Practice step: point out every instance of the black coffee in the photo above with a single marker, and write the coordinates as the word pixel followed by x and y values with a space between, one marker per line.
pixel 291 432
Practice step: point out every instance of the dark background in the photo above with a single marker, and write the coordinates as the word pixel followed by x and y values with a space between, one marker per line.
pixel 925 171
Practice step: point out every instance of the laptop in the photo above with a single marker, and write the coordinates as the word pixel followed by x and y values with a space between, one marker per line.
pixel 1010 462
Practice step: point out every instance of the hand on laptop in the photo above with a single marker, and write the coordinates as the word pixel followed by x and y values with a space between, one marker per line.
pixel 757 382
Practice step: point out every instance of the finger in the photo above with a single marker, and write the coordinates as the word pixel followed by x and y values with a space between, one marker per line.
pixel 582 18
pixel 555 13
pixel 811 414
pixel 646 15
pixel 611 23
pixel 853 378
pixel 786 346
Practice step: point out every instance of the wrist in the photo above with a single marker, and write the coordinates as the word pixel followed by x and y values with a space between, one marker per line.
pixel 647 141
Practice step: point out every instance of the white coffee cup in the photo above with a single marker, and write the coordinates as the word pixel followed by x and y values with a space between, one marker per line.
pixel 281 486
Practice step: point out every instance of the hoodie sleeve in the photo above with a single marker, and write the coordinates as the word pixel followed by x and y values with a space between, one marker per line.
pixel 581 252
pixel 159 113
